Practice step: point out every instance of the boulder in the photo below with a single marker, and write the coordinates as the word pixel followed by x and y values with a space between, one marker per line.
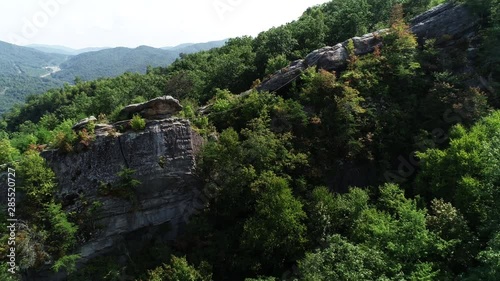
pixel 82 124
pixel 283 77
pixel 328 58
pixel 158 108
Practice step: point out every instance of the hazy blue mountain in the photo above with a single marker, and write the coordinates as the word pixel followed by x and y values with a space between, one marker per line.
pixel 63 50
pixel 178 46
pixel 196 47
pixel 115 61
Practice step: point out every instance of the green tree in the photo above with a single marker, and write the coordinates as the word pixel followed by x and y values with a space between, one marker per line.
pixel 269 44
pixel 177 269
pixel 397 228
pixel 463 174
pixel 246 175
pixel 275 64
pixel 309 31
pixel 7 153
pixel 276 231
pixel 330 214
pixel 489 258
pixel 36 180
pixel 343 260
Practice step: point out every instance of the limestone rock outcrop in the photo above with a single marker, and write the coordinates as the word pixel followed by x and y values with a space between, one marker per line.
pixel 163 158
pixel 447 20
pixel 83 123
pixel 158 108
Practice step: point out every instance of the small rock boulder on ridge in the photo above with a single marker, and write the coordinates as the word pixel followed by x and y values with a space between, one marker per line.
pixel 155 109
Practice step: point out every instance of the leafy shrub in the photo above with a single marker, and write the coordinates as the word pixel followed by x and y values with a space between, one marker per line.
pixel 85 137
pixel 138 123
pixel 177 270
pixel 7 152
pixel 123 188
pixel 63 232
pixel 67 263
pixel 36 179
pixel 65 137
pixel 275 64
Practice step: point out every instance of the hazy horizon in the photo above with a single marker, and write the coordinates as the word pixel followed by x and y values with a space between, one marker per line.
pixel 129 23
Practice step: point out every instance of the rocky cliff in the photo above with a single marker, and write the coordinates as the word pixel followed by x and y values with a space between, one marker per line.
pixel 450 21
pixel 162 157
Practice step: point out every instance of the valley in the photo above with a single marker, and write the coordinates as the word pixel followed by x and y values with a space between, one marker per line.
pixel 43 67
pixel 52 70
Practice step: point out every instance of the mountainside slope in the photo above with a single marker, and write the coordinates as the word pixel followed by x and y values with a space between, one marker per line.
pixel 26 61
pixel 115 61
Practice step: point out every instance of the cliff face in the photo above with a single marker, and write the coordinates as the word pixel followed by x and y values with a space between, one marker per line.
pixel 451 21
pixel 163 158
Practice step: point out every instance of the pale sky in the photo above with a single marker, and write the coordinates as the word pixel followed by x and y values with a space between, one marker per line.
pixel 131 23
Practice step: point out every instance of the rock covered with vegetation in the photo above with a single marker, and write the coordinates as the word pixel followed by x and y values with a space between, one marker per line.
pixel 126 182
pixel 385 170
pixel 447 20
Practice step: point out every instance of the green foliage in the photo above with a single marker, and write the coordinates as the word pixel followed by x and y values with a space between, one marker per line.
pixel 7 152
pixel 489 259
pixel 275 64
pixel 68 263
pixel 65 137
pixel 398 229
pixel 123 188
pixel 7 276
pixel 248 196
pixel 36 180
pixel 276 231
pixel 137 123
pixel 177 270
pixel 456 244
pixel 462 174
pixel 63 234
pixel 342 260
pixel 334 213
pixel 489 53
pixel 272 43
pixel 261 279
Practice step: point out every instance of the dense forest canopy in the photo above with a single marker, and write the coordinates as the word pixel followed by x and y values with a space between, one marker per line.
pixel 387 170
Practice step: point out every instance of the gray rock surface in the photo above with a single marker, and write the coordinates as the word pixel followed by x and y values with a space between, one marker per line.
pixel 163 157
pixel 448 20
pixel 158 108
pixel 83 123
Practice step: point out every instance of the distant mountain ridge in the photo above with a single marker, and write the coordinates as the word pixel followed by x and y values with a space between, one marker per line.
pixel 196 47
pixel 115 61
pixel 189 47
pixel 37 68
pixel 55 49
